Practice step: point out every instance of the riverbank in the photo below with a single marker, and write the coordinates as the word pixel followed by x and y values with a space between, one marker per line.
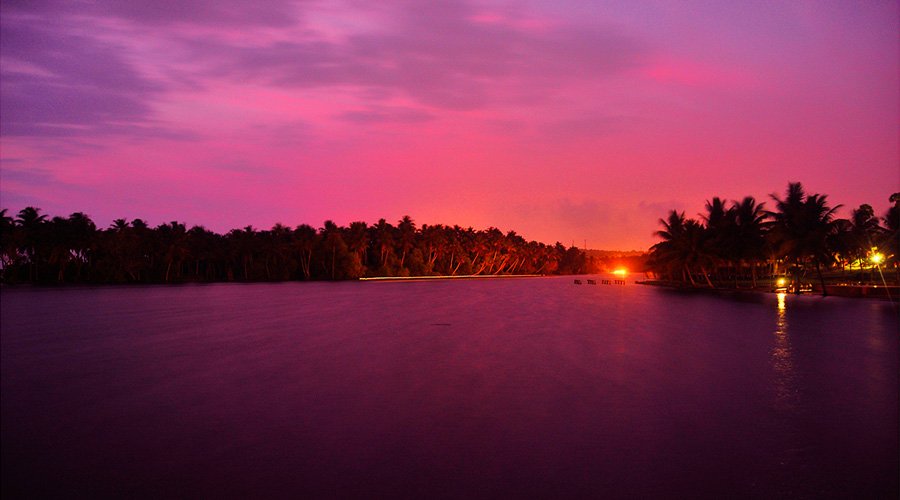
pixel 881 292
pixel 451 277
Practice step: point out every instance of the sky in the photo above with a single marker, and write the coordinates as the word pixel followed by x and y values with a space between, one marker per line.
pixel 575 121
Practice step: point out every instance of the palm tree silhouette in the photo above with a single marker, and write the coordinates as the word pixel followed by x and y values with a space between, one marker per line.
pixel 306 240
pixel 719 240
pixel 384 241
pixel 749 236
pixel 76 250
pixel 8 248
pixel 890 238
pixel 801 227
pixel 683 247
pixel 406 237
pixel 32 223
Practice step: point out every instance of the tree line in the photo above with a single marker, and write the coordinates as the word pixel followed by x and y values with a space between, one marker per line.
pixel 801 238
pixel 35 248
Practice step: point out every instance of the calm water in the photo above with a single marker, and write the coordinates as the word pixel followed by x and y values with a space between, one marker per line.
pixel 524 388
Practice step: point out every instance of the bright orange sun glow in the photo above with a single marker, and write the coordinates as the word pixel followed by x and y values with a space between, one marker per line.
pixel 621 272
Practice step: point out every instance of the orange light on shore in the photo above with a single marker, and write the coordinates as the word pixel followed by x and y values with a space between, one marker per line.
pixel 877 258
pixel 781 282
pixel 621 272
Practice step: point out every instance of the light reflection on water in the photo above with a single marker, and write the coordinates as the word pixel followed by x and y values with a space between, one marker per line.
pixel 785 387
pixel 476 389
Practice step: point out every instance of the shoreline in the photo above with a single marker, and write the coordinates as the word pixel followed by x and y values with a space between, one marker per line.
pixel 51 286
pixel 450 277
pixel 890 293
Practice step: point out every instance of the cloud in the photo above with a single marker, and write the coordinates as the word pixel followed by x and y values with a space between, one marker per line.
pixel 229 13
pixel 237 14
pixel 442 56
pixel 101 68
pixel 387 114
pixel 33 177
pixel 67 84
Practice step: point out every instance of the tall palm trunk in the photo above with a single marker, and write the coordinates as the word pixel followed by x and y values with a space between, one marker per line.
pixel 689 275
pixel 821 278
pixel 706 275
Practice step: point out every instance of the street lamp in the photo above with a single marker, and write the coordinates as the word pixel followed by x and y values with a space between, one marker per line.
pixel 877 258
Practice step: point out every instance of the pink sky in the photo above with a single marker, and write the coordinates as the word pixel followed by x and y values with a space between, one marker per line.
pixel 565 121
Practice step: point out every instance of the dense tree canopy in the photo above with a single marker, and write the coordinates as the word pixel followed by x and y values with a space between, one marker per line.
pixel 35 249
pixel 801 236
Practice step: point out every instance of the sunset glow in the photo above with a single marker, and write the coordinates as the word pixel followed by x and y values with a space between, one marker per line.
pixel 621 272
pixel 564 121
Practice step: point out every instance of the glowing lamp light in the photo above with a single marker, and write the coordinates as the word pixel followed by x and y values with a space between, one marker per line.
pixel 781 282
pixel 621 272
pixel 877 258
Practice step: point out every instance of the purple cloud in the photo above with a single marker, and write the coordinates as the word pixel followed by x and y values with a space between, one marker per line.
pixel 387 114
pixel 60 80
pixel 59 84
pixel 441 56
pixel 167 12
pixel 219 13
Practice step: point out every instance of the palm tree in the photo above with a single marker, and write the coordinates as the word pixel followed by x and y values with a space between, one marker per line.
pixel 406 237
pixel 749 236
pixel 144 238
pixel 383 236
pixel 77 240
pixel 663 254
pixel 434 242
pixel 244 248
pixel 204 247
pixel 456 250
pixel 8 249
pixel 801 227
pixel 864 231
pixel 890 238
pixel 357 238
pixel 337 261
pixel 719 239
pixel 683 248
pixel 32 223
pixel 306 240
pixel 276 250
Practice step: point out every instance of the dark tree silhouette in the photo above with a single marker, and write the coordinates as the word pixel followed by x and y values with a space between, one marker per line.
pixel 802 235
pixel 683 249
pixel 801 228
pixel 749 235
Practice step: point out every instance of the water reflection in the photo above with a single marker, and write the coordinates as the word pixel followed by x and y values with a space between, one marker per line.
pixel 537 388
pixel 782 358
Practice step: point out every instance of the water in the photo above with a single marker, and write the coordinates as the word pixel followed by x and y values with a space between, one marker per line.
pixel 456 389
